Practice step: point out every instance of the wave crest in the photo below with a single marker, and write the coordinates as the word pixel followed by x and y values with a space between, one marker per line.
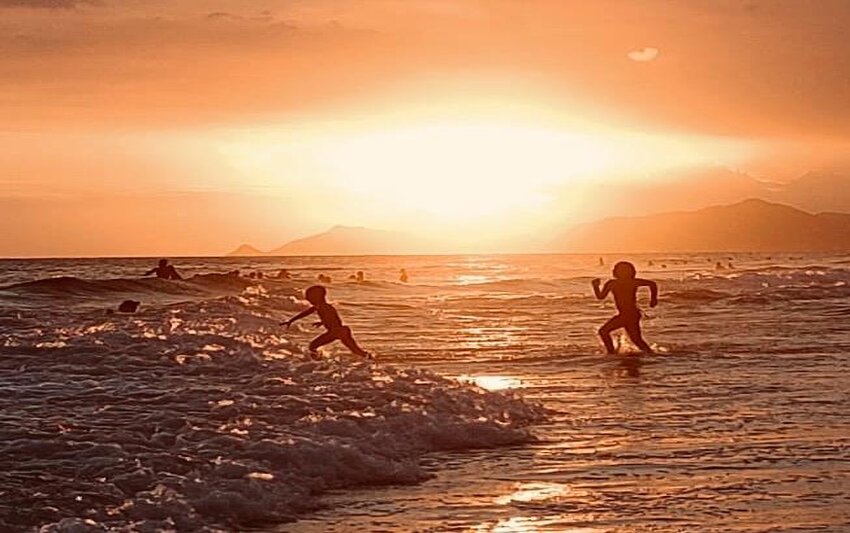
pixel 192 423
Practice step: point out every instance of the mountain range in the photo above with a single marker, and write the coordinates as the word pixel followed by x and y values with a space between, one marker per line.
pixel 343 240
pixel 750 225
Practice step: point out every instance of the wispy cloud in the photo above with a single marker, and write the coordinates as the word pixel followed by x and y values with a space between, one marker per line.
pixel 46 4
pixel 643 55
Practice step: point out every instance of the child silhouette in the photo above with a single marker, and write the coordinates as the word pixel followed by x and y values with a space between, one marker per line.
pixel 329 318
pixel 624 286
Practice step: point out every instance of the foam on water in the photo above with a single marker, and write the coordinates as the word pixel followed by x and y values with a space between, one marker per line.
pixel 201 414
pixel 199 411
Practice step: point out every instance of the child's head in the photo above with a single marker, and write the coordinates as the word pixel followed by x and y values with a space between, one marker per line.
pixel 315 294
pixel 163 262
pixel 624 270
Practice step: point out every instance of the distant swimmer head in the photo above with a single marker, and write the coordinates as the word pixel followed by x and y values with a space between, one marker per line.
pixel 163 262
pixel 624 270
pixel 315 294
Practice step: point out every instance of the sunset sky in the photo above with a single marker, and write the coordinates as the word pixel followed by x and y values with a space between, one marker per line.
pixel 157 127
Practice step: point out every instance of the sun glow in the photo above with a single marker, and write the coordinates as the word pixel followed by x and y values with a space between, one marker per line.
pixel 460 177
pixel 465 171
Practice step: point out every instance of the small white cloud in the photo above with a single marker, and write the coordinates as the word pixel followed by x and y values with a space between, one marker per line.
pixel 644 54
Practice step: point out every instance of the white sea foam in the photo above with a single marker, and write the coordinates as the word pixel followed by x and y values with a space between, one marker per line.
pixel 200 411
pixel 201 414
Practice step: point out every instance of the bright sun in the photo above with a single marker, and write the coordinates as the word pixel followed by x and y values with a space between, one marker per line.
pixel 462 171
pixel 457 178
pixel 465 171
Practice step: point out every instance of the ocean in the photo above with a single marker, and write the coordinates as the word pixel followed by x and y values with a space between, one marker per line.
pixel 489 406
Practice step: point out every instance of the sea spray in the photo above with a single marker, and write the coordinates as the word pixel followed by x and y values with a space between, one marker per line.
pixel 199 415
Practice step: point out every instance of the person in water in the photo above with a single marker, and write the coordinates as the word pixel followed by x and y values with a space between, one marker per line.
pixel 402 276
pixel 164 271
pixel 624 286
pixel 329 318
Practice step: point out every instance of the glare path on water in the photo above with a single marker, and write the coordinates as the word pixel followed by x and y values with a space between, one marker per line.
pixel 739 423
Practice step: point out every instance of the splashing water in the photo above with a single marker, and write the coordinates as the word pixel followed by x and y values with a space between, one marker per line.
pixel 200 412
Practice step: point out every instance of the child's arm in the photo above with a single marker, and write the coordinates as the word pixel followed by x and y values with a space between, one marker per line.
pixel 653 290
pixel 601 293
pixel 307 312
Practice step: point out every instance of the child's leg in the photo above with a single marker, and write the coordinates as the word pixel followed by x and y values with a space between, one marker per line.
pixel 605 333
pixel 321 340
pixel 634 333
pixel 349 342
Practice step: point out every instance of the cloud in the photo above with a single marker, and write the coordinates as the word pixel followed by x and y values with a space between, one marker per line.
pixel 643 55
pixel 725 70
pixel 45 4
pixel 224 16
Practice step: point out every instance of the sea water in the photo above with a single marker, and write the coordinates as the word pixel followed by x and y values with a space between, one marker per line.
pixel 490 406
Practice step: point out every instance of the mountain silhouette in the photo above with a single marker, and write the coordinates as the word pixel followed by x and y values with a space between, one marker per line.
pixel 245 250
pixel 750 225
pixel 344 240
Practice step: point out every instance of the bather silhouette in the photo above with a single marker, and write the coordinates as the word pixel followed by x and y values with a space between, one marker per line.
pixel 164 271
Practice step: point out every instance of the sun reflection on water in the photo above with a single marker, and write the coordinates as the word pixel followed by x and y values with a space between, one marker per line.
pixel 533 492
pixel 492 383
pixel 532 524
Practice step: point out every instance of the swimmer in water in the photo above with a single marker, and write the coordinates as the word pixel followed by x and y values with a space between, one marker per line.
pixel 329 318
pixel 624 286
pixel 402 275
pixel 164 271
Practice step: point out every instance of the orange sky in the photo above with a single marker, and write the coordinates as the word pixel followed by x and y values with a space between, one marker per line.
pixel 160 127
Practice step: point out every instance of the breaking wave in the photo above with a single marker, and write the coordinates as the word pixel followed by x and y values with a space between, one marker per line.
pixel 69 286
pixel 201 415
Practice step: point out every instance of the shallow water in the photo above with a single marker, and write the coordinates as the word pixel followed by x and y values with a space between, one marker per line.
pixel 740 423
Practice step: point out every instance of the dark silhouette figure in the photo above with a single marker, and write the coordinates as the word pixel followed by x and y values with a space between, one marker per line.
pixel 129 306
pixel 164 271
pixel 329 318
pixel 402 275
pixel 624 286
pixel 719 266
pixel 284 274
pixel 323 278
pixel 359 277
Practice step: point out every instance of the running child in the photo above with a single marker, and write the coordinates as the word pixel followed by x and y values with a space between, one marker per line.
pixel 624 286
pixel 329 318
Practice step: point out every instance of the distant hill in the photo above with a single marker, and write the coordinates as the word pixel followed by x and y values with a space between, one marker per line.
pixel 750 225
pixel 245 250
pixel 343 240
pixel 817 191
